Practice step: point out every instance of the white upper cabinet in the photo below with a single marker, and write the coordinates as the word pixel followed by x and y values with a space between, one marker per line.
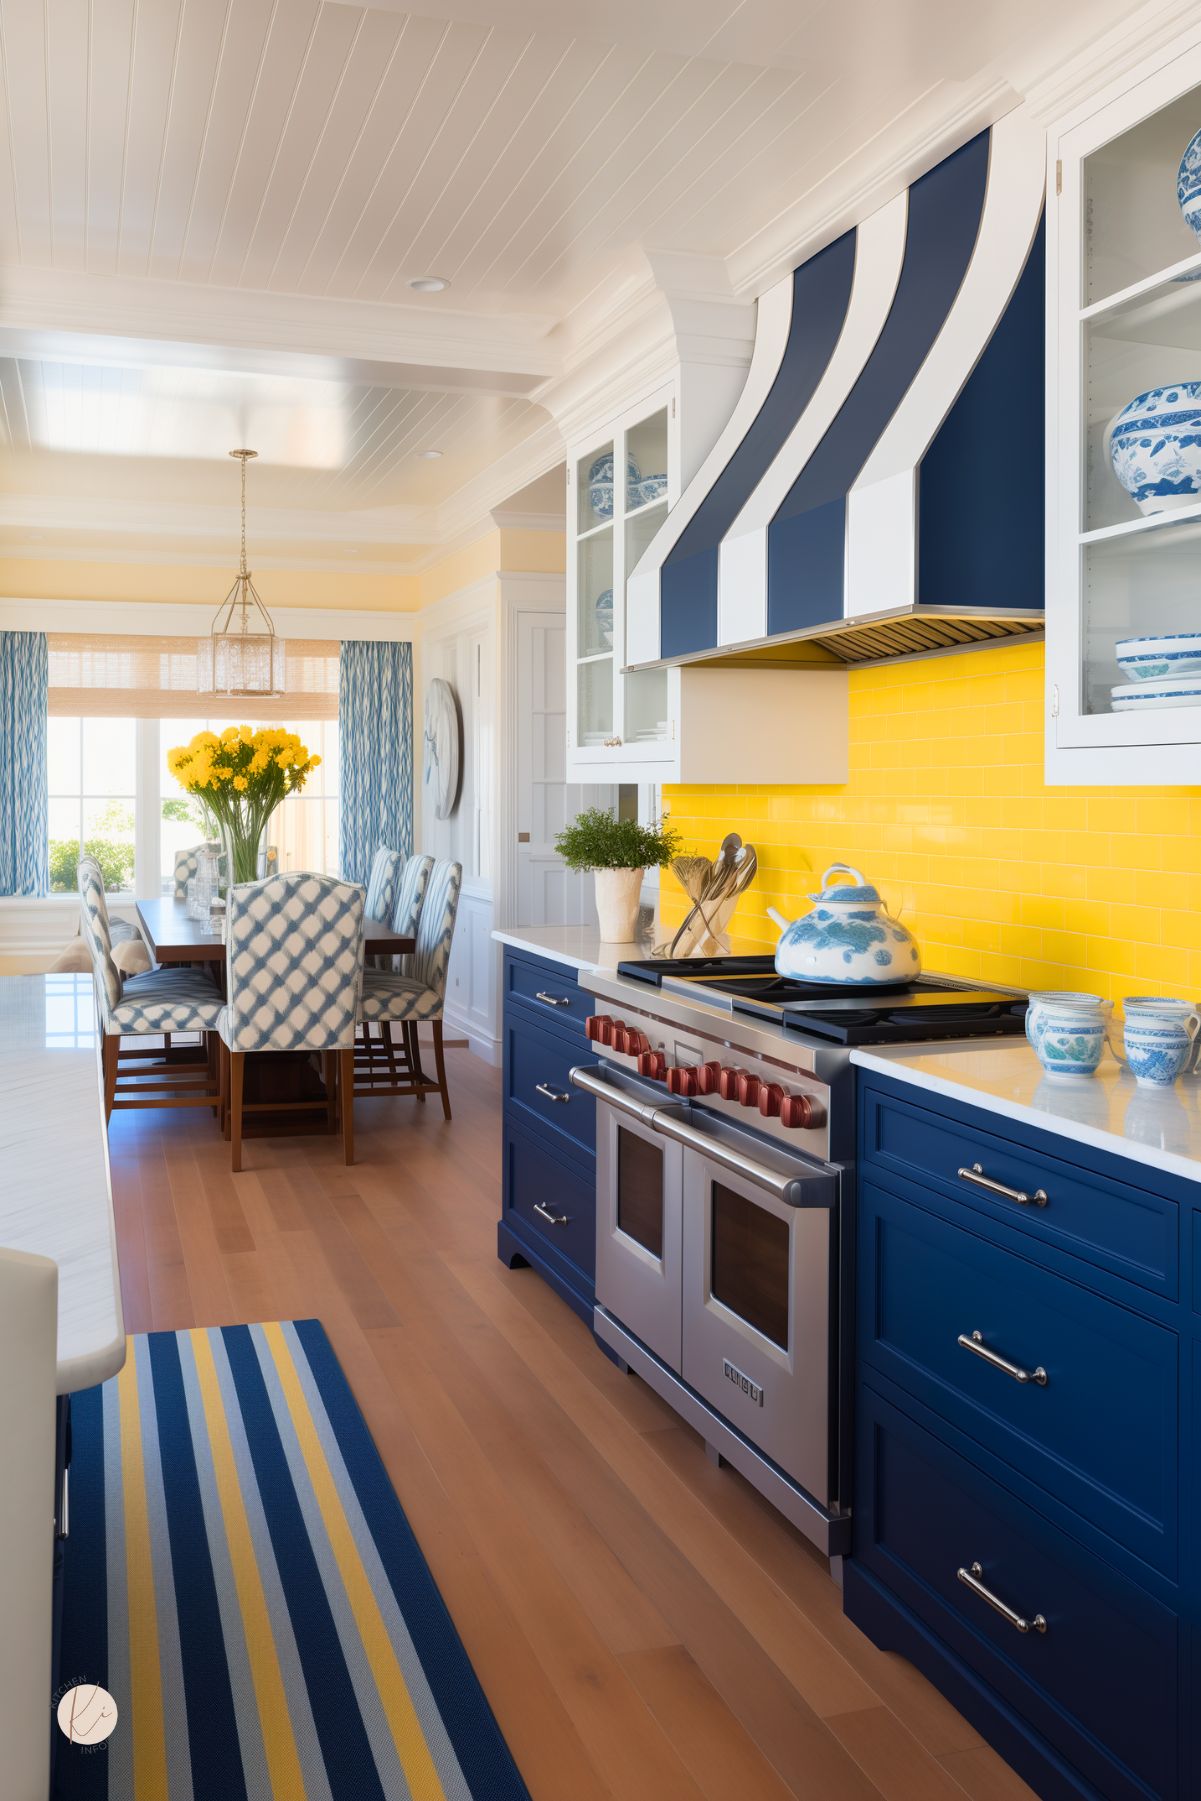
pixel 669 724
pixel 1124 435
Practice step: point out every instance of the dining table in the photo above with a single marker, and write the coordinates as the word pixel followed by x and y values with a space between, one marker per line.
pixel 175 937
pixel 287 1087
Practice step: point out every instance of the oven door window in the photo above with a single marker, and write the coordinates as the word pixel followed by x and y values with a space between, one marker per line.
pixel 749 1262
pixel 640 1191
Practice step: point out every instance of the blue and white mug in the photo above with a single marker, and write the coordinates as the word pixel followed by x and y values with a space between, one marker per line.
pixel 1158 1036
pixel 1068 1032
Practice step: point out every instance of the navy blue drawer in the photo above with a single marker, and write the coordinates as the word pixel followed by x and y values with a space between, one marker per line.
pixel 547 990
pixel 538 1085
pixel 1100 1436
pixel 1100 1685
pixel 1090 1212
pixel 555 1203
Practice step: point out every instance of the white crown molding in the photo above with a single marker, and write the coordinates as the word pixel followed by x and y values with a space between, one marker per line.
pixel 202 523
pixel 469 510
pixel 906 148
pixel 1081 83
pixel 186 619
pixel 510 519
pixel 206 324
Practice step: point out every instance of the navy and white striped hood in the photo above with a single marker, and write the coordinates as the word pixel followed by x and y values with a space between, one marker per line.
pixel 885 459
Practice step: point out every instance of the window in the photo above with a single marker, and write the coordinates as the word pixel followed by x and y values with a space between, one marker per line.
pixel 117 705
pixel 93 792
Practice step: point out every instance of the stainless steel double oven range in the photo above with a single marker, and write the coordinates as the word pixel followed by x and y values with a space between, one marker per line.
pixel 724 1231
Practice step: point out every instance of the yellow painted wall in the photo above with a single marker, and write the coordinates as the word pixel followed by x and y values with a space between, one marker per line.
pixel 60 578
pixel 1000 877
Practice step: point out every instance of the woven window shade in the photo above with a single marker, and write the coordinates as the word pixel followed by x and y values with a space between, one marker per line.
pixel 158 678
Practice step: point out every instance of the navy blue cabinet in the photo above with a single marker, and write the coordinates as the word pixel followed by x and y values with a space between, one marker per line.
pixel 548 1216
pixel 1028 1414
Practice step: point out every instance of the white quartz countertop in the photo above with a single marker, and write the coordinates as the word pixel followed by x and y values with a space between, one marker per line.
pixel 1160 1128
pixel 581 947
pixel 55 1198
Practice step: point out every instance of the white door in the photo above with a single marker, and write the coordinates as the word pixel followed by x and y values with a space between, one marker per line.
pixel 547 892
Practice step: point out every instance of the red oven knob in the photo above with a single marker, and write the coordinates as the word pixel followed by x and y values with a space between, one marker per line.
pixel 636 1042
pixel 770 1096
pixel 681 1080
pixel 599 1028
pixel 727 1083
pixel 621 1040
pixel 653 1064
pixel 707 1078
pixel 798 1110
pixel 748 1089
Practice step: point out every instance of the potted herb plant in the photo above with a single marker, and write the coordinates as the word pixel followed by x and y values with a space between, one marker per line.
pixel 617 851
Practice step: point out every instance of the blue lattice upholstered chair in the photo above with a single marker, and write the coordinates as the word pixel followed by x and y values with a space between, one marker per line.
pixel 294 948
pixel 383 882
pixel 153 1004
pixel 378 1053
pixel 418 995
pixel 187 864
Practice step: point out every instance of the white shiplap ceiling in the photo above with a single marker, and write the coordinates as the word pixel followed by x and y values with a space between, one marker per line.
pixel 269 175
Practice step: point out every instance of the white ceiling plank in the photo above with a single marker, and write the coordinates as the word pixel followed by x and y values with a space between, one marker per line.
pixel 67 30
pixel 110 68
pixel 203 35
pixel 151 95
pixel 242 52
pixel 23 27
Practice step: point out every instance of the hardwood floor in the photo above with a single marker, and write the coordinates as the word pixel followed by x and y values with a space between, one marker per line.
pixel 646 1628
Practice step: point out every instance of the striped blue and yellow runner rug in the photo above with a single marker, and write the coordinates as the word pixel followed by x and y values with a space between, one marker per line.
pixel 241 1579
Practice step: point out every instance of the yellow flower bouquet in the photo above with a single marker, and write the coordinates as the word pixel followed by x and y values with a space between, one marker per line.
pixel 240 777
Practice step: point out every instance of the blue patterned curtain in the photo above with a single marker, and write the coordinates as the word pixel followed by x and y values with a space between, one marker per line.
pixel 375 747
pixel 24 700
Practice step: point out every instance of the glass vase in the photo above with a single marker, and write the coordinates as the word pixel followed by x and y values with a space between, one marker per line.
pixel 240 841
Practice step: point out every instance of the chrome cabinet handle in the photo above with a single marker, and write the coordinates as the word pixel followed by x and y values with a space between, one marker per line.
pixel 977 1176
pixel 971 1579
pixel 553 1219
pixel 552 1094
pixel 976 1345
pixel 552 1000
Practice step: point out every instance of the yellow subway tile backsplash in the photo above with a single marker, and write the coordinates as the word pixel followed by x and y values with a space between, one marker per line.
pixel 1000 878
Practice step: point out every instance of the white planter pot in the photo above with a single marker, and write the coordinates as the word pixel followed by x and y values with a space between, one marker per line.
pixel 617 894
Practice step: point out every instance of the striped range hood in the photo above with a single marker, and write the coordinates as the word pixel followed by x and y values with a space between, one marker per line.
pixel 879 489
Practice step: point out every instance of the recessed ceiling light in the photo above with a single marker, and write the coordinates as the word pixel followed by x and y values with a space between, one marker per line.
pixel 429 456
pixel 429 284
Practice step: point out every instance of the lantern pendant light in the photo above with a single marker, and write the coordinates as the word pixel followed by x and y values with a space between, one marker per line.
pixel 245 657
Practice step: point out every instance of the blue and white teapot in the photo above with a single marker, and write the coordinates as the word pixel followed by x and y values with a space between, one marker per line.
pixel 848 938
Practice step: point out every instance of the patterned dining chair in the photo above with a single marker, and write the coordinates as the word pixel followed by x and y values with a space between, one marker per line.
pixel 383 882
pixel 187 864
pixel 419 996
pixel 294 951
pixel 154 1004
pixel 382 1053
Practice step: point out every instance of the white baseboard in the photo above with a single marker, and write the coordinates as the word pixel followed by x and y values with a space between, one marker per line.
pixel 482 1044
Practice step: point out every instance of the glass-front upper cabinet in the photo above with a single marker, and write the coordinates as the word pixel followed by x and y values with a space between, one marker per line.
pixel 621 482
pixel 1124 434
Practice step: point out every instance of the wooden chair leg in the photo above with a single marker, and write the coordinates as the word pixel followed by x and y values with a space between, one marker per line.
pixel 414 1045
pixel 112 1050
pixel 237 1064
pixel 386 1034
pixel 329 1071
pixel 440 1062
pixel 222 1086
pixel 346 1098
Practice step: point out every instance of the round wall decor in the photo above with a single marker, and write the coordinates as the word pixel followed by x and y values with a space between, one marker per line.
pixel 443 747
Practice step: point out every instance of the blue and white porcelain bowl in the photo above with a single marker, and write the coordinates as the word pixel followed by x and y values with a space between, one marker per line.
pixel 650 489
pixel 600 483
pixel 604 619
pixel 1188 184
pixel 1069 1036
pixel 1151 696
pixel 1155 447
pixel 1147 659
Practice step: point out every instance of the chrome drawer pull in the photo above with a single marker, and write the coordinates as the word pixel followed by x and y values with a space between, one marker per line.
pixel 553 1219
pixel 552 1000
pixel 978 1348
pixel 976 1175
pixel 971 1579
pixel 552 1094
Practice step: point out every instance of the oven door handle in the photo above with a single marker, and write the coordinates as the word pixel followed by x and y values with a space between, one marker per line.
pixel 817 1191
pixel 592 1079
